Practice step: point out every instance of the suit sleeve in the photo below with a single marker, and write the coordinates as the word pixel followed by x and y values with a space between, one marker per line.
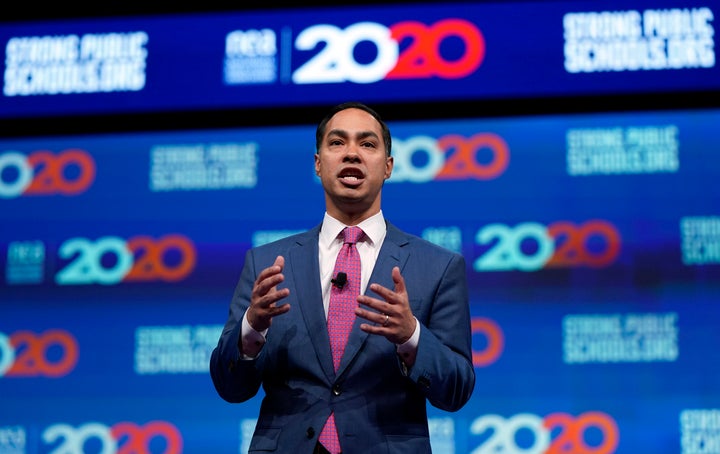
pixel 443 369
pixel 236 379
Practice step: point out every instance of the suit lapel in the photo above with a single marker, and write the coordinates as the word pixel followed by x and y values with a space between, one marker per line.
pixel 303 261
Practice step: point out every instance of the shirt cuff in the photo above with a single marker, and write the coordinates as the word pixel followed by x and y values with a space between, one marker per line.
pixel 252 341
pixel 408 349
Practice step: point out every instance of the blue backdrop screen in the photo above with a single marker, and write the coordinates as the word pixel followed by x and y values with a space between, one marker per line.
pixel 592 245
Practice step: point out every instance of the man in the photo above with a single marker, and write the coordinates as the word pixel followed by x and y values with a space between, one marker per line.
pixel 409 338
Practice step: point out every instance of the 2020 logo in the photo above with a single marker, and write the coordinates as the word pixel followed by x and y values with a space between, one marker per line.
pixel 556 433
pixel 121 438
pixel 28 354
pixel 419 159
pixel 420 59
pixel 110 260
pixel 561 244
pixel 69 173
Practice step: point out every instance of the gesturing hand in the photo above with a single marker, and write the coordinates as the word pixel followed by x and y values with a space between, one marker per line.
pixel 393 318
pixel 265 295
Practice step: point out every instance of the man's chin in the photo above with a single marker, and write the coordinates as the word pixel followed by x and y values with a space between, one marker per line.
pixel 351 202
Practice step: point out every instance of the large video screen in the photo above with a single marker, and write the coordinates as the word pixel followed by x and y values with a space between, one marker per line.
pixel 389 53
pixel 592 244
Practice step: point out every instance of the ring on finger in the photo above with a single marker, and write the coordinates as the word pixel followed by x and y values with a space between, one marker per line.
pixel 387 317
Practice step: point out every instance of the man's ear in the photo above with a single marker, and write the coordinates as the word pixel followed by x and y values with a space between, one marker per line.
pixel 317 164
pixel 389 163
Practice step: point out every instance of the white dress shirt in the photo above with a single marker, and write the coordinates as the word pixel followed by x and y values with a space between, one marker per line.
pixel 368 247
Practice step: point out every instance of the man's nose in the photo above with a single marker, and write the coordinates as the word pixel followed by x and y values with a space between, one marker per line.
pixel 352 153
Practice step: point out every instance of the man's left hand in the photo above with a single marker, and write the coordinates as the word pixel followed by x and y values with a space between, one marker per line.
pixel 394 318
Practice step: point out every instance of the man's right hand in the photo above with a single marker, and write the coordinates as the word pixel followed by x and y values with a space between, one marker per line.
pixel 265 296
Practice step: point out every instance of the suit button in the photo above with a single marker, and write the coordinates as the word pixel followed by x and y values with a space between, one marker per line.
pixel 336 390
pixel 424 382
pixel 310 432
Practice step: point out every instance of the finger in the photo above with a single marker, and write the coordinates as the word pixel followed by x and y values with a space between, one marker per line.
pixel 280 261
pixel 372 329
pixel 276 295
pixel 373 303
pixel 263 309
pixel 371 316
pixel 266 305
pixel 385 293
pixel 277 310
pixel 273 269
pixel 270 276
pixel 399 280
pixel 268 285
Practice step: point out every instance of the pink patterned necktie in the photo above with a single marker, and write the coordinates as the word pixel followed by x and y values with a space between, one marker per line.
pixel 341 316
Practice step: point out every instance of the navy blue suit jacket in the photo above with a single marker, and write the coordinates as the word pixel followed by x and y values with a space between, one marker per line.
pixel 379 405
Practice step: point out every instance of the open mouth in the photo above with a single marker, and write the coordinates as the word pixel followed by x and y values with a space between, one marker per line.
pixel 351 176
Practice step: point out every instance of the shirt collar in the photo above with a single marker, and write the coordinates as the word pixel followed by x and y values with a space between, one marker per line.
pixel 374 228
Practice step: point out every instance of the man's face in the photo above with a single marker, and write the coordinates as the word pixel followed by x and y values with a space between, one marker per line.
pixel 352 164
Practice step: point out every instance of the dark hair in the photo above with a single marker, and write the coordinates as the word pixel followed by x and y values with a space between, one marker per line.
pixel 320 132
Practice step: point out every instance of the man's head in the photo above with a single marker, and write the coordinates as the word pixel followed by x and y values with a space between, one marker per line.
pixel 353 161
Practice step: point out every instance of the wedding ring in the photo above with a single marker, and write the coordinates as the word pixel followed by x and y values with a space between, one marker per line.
pixel 387 317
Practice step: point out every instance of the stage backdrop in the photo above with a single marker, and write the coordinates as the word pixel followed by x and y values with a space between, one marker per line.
pixel 593 254
pixel 592 240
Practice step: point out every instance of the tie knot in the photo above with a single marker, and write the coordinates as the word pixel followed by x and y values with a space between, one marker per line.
pixel 351 235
